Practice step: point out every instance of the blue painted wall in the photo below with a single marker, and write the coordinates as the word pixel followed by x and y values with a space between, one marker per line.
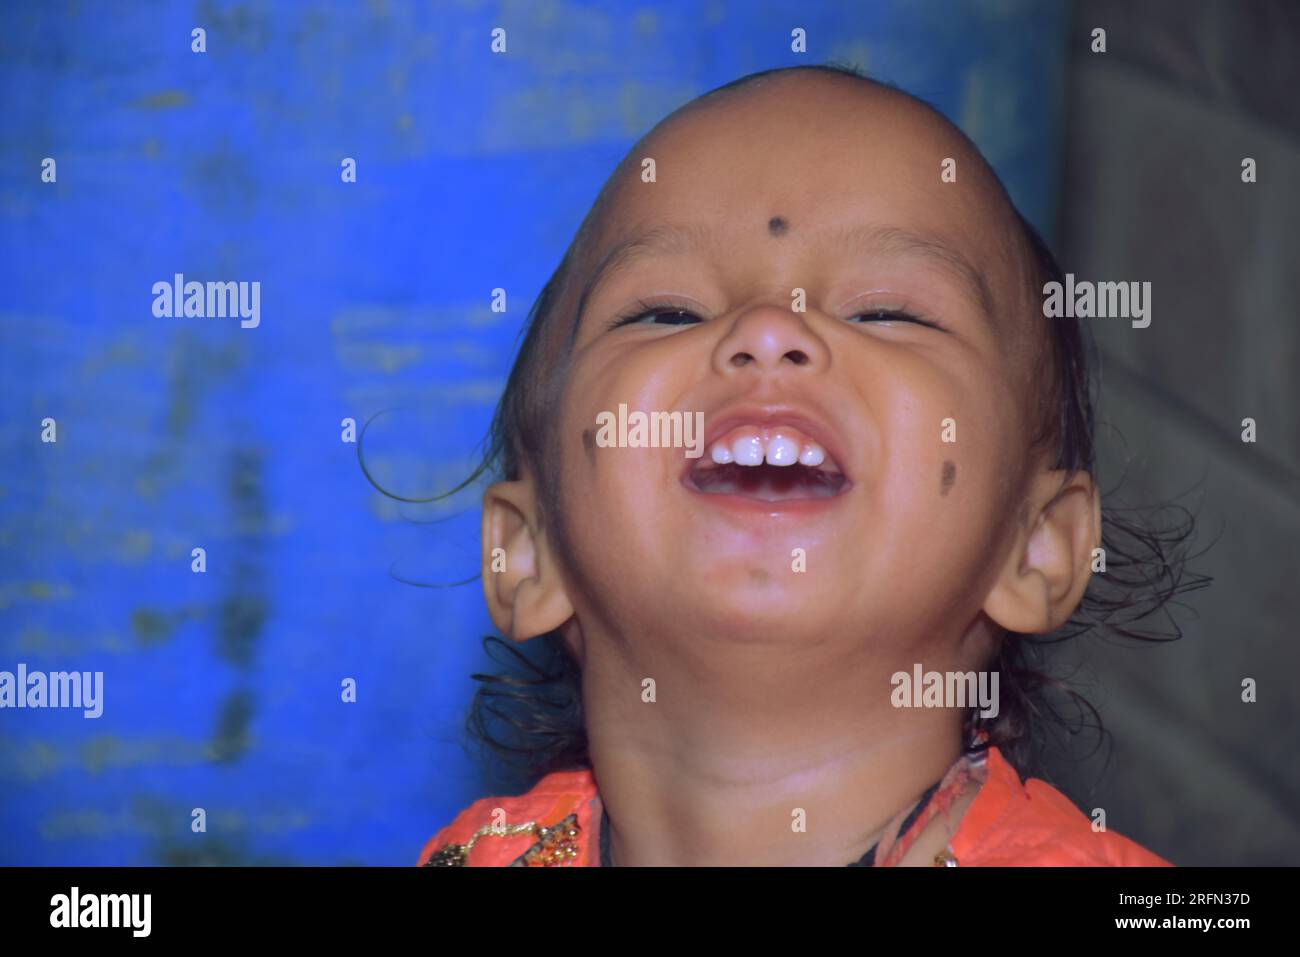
pixel 222 689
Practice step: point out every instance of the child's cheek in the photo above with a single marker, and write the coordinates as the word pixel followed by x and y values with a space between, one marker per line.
pixel 944 452
pixel 608 482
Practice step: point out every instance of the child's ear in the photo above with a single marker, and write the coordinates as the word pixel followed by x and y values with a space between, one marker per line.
pixel 1050 562
pixel 525 593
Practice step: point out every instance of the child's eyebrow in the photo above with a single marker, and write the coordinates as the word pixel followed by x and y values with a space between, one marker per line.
pixel 678 238
pixel 665 239
pixel 895 241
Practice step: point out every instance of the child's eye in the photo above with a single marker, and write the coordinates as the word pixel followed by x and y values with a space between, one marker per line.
pixel 667 315
pixel 892 315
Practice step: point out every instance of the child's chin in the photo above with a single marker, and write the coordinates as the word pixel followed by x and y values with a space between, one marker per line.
pixel 756 611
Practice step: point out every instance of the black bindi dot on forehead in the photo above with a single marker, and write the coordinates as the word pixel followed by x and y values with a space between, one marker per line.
pixel 949 477
pixel 777 226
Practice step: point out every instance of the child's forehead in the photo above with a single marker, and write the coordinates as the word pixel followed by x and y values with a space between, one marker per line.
pixel 811 168
pixel 807 168
pixel 812 152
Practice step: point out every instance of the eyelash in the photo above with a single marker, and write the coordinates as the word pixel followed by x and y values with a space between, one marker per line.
pixel 641 309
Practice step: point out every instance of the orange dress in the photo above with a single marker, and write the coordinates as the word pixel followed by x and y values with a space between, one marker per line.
pixel 1009 824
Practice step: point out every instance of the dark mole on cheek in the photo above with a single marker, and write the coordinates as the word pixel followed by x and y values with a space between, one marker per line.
pixel 949 477
pixel 589 441
pixel 777 226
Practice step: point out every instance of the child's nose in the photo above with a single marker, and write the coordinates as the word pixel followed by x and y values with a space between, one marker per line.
pixel 768 337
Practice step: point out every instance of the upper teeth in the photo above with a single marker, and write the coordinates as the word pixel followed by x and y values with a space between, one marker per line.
pixel 776 446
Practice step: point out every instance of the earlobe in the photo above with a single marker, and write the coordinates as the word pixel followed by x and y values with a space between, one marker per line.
pixel 525 593
pixel 1046 572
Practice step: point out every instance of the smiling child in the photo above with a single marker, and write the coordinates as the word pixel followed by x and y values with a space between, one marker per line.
pixel 895 477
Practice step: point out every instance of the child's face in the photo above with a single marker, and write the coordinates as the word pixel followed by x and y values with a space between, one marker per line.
pixel 910 547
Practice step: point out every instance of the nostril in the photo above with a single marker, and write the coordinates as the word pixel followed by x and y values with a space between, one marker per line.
pixel 741 358
pixel 797 356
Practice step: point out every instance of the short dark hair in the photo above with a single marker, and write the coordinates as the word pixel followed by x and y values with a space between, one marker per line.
pixel 531 716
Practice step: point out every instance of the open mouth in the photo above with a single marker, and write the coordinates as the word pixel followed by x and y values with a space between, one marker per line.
pixel 767 483
pixel 768 464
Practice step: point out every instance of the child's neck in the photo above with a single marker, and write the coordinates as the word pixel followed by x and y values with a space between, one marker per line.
pixel 723 765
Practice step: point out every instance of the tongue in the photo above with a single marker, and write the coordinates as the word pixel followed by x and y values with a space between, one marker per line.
pixel 770 483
